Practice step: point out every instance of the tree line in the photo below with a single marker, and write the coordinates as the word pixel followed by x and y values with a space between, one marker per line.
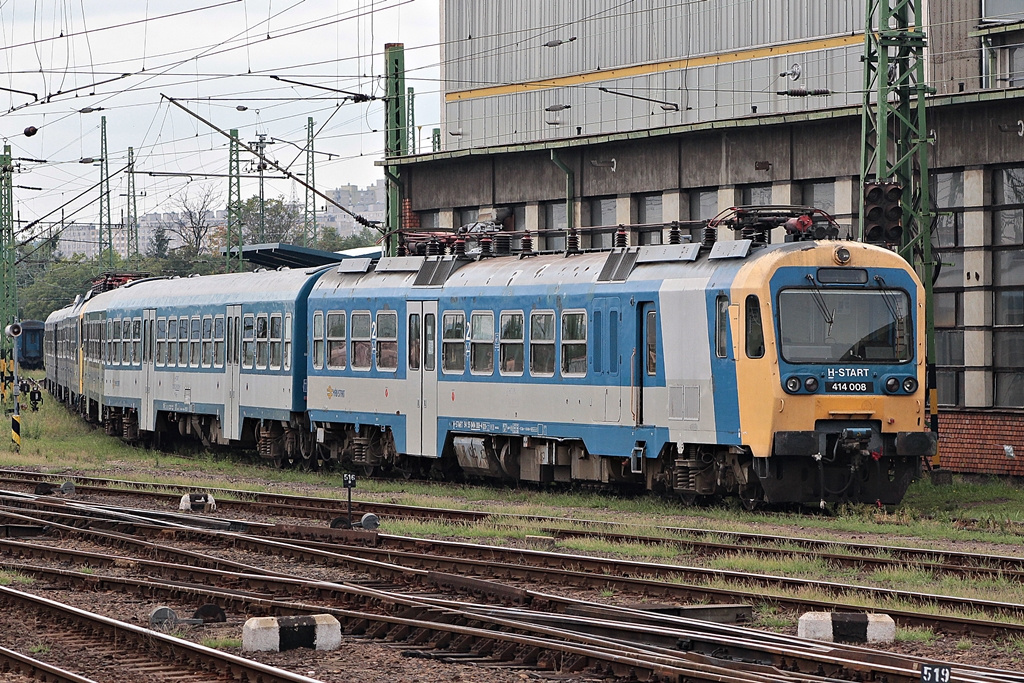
pixel 48 280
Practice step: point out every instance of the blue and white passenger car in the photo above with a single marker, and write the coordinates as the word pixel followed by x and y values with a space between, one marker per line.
pixel 221 357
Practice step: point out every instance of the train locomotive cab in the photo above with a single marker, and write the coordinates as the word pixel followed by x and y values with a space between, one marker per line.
pixel 831 393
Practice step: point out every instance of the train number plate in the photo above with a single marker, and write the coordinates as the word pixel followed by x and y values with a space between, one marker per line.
pixel 849 387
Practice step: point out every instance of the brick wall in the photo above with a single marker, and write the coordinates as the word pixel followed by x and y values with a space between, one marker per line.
pixel 410 219
pixel 974 442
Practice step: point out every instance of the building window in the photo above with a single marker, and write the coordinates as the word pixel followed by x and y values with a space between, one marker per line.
pixel 387 340
pixel 1009 364
pixel 574 343
pixel 453 342
pixel 481 343
pixel 602 213
pixel 542 344
pixel 948 197
pixel 1008 206
pixel 703 204
pixel 512 343
pixel 430 220
pixel 949 347
pixel 555 224
pixel 361 344
pixel 337 356
pixel 467 216
pixel 756 195
pixel 821 194
pixel 649 212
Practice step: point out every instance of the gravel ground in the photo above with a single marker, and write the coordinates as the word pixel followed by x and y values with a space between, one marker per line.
pixel 366 661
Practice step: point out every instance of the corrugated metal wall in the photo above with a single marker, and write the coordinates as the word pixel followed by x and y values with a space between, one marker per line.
pixel 500 43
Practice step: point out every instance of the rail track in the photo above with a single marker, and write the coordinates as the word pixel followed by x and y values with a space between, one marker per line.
pixel 694 540
pixel 615 641
pixel 177 557
pixel 146 653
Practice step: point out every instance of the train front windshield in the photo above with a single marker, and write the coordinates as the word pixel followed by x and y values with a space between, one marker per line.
pixel 835 326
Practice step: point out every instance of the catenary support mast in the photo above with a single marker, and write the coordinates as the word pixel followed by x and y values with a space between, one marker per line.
pixel 894 142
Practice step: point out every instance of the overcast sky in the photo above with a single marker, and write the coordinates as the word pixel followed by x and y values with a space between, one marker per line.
pixel 215 56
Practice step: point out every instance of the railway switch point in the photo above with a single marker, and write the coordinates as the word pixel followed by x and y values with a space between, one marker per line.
pixel 164 617
pixel 847 627
pixel 274 634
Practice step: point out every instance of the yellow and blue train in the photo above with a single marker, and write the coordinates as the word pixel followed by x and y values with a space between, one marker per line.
pixel 775 373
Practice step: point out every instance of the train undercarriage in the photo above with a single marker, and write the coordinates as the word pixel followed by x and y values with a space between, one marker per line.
pixel 833 464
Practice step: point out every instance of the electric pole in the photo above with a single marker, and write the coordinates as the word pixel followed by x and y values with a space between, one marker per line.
pixel 133 213
pixel 309 224
pixel 233 234
pixel 106 241
pixel 9 291
pixel 894 151
pixel 396 139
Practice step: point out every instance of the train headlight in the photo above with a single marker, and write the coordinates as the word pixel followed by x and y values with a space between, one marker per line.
pixel 892 385
pixel 910 385
pixel 842 255
pixel 793 385
pixel 811 384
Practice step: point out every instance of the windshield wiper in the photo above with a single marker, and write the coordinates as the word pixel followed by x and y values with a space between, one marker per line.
pixel 819 300
pixel 891 302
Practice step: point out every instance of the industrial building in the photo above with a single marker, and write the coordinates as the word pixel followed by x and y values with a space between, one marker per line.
pixel 648 112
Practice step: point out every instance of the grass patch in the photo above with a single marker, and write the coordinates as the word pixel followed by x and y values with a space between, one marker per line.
pixel 40 649
pixel 964 644
pixel 7 578
pixel 916 634
pixel 222 643
pixel 771 617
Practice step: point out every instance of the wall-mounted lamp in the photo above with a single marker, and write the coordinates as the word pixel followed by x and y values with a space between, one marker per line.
pixel 558 107
pixel 558 41
pixel 556 122
pixel 242 107
pixel 671 106
pixel 762 165
pixel 455 133
pixel 611 163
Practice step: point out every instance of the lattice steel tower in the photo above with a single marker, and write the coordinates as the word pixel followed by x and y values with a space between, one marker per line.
pixel 233 234
pixel 133 213
pixel 106 241
pixel 894 142
pixel 309 235
pixel 9 293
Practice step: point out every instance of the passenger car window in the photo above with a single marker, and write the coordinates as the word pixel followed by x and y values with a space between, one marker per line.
pixel 361 349
pixel 453 342
pixel 336 335
pixel 481 346
pixel 574 343
pixel 387 340
pixel 512 343
pixel 542 344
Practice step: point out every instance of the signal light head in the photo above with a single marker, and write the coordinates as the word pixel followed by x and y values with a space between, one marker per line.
pixel 883 213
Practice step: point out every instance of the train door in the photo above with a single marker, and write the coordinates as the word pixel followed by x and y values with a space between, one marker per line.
pixel 232 373
pixel 146 419
pixel 644 365
pixel 421 432
pixel 605 335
